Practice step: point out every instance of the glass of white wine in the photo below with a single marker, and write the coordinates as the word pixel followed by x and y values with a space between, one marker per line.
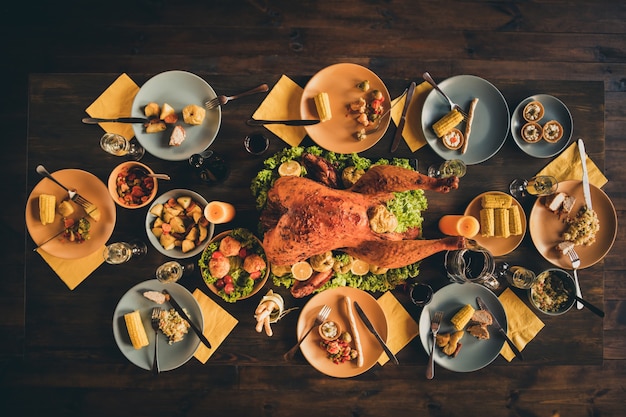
pixel 452 167
pixel 537 186
pixel 118 145
pixel 172 271
pixel 121 252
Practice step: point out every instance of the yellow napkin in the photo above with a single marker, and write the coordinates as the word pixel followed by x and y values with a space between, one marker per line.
pixel 523 324
pixel 412 132
pixel 401 328
pixel 116 101
pixel 283 103
pixel 73 271
pixel 567 166
pixel 218 324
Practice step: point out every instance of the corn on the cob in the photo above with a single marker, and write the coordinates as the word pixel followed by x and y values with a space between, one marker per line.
pixel 47 208
pixel 136 331
pixel 447 123
pixel 501 219
pixel 492 200
pixel 515 221
pixel 322 104
pixel 462 317
pixel 65 208
pixel 487 222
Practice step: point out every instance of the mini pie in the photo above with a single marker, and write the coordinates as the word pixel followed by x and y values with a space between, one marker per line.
pixel 532 132
pixel 533 111
pixel 453 139
pixel 552 131
pixel 193 114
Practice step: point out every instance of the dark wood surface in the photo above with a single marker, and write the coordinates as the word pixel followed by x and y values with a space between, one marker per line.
pixel 59 355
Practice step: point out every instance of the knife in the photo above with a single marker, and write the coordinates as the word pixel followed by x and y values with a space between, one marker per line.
pixel 371 328
pixel 499 328
pixel 396 138
pixel 95 120
pixel 583 161
pixel 254 122
pixel 184 315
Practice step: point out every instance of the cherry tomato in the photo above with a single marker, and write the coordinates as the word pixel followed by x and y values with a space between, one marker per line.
pixel 255 274
pixel 228 279
pixel 243 252
pixel 219 284
pixel 229 288
pixel 217 254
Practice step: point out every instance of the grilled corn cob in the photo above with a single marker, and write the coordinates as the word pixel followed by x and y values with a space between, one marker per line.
pixel 47 208
pixel 496 201
pixel 136 331
pixel 487 222
pixel 447 123
pixel 462 317
pixel 515 221
pixel 501 221
pixel 322 104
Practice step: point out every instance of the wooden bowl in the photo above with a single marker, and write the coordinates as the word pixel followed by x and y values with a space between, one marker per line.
pixel 123 170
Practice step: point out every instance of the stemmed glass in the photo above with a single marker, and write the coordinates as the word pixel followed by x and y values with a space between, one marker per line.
pixel 172 271
pixel 121 252
pixel 118 145
pixel 538 186
pixel 453 167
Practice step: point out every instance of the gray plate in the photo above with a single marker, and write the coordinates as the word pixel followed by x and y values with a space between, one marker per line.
pixel 554 109
pixel 474 354
pixel 178 89
pixel 170 356
pixel 491 121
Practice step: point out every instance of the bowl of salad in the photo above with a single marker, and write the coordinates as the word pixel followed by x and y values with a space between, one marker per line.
pixel 233 265
pixel 130 186
pixel 552 293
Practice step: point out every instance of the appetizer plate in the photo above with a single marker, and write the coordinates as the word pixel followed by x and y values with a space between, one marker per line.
pixel 554 109
pixel 475 353
pixel 490 126
pixel 90 187
pixel 178 89
pixel 177 253
pixel 170 356
pixel 498 246
pixel 128 166
pixel 334 298
pixel 546 228
pixel 340 82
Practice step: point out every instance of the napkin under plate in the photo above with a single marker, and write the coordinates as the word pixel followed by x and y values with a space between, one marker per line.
pixel 523 324
pixel 401 328
pixel 412 132
pixel 568 166
pixel 73 271
pixel 218 324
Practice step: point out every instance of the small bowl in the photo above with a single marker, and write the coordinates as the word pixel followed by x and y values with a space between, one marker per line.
pixel 126 167
pixel 553 275
pixel 330 330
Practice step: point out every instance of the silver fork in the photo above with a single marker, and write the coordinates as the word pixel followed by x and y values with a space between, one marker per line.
pixel 435 323
pixel 452 104
pixel 221 100
pixel 154 320
pixel 573 256
pixel 74 196
pixel 321 317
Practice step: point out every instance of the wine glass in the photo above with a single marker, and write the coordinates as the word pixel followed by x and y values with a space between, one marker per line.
pixel 172 271
pixel 121 252
pixel 453 167
pixel 538 186
pixel 118 145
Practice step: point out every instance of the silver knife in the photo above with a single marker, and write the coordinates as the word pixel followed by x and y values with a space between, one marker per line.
pixel 96 120
pixel 254 122
pixel 184 315
pixel 583 161
pixel 396 138
pixel 499 328
pixel 371 328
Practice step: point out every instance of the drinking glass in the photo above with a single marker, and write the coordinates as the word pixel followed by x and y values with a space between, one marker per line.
pixel 172 271
pixel 453 167
pixel 210 167
pixel 517 276
pixel 118 145
pixel 421 294
pixel 538 186
pixel 472 265
pixel 121 252
pixel 256 144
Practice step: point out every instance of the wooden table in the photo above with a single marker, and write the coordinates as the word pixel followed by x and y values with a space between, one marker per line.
pixel 69 332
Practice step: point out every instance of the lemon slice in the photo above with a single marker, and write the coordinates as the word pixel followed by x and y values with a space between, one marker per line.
pixel 360 267
pixel 301 270
pixel 289 169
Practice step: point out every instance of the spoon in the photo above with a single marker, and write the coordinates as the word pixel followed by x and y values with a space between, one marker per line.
pixel 143 172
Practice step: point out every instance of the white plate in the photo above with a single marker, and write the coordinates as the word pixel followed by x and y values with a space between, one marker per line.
pixel 178 89
pixel 170 356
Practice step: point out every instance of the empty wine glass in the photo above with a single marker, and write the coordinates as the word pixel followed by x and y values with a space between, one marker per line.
pixel 453 167
pixel 120 252
pixel 538 186
pixel 172 271
pixel 118 145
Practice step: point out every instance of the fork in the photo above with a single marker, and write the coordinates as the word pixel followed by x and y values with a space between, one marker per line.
pixel 221 100
pixel 452 104
pixel 573 256
pixel 74 196
pixel 378 120
pixel 154 319
pixel 435 323
pixel 321 317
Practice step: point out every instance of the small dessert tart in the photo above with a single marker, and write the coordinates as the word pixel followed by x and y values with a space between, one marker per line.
pixel 532 132
pixel 552 131
pixel 453 139
pixel 533 111
pixel 330 330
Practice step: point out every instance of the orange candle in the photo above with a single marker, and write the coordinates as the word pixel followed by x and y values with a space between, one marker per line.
pixel 459 225
pixel 219 212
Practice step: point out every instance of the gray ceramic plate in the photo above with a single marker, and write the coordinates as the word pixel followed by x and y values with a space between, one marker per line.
pixel 491 121
pixel 474 354
pixel 170 356
pixel 554 109
pixel 178 89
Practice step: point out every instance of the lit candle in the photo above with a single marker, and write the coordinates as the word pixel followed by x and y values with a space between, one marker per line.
pixel 219 212
pixel 459 225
